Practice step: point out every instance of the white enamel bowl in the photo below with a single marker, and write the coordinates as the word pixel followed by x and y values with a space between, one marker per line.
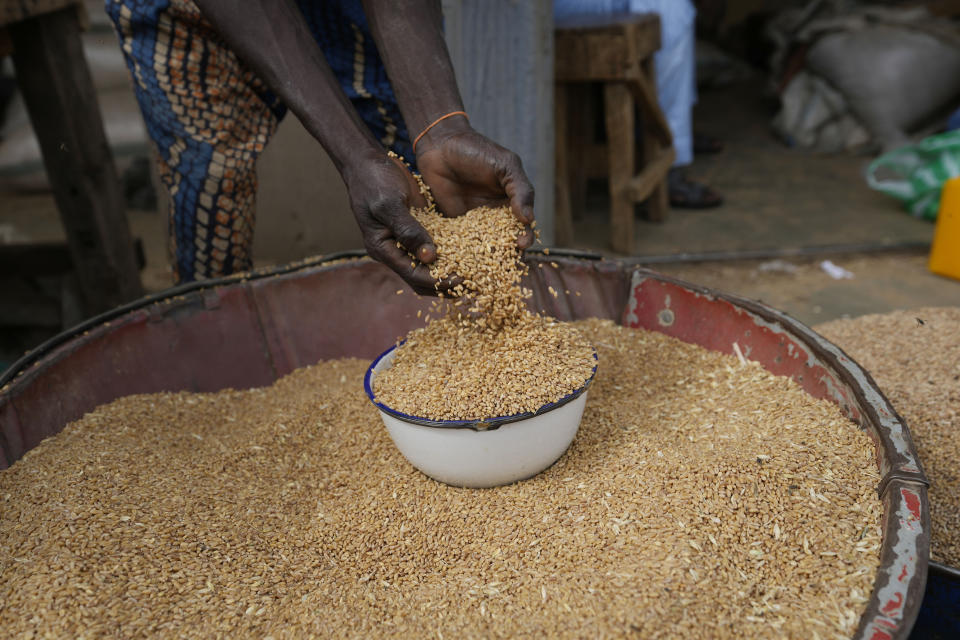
pixel 487 453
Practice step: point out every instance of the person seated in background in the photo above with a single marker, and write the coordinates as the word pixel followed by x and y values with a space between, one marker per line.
pixel 676 85
pixel 214 77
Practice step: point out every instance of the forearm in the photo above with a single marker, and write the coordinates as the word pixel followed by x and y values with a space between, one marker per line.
pixel 463 169
pixel 272 38
pixel 409 36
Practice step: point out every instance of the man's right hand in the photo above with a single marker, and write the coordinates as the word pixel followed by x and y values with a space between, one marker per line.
pixel 382 191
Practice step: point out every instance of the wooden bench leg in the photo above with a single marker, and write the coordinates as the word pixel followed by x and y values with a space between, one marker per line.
pixel 582 101
pixel 563 217
pixel 53 77
pixel 621 145
pixel 658 203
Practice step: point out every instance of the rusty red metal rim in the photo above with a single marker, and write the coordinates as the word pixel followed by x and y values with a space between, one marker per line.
pixel 24 362
pixel 945 570
pixel 642 298
pixel 791 348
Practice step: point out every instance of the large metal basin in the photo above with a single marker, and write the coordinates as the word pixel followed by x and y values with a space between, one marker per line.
pixel 247 331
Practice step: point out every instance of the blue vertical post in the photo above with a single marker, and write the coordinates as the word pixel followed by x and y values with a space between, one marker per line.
pixel 502 51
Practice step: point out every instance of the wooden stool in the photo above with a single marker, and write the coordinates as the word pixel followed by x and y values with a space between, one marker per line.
pixel 57 88
pixel 616 51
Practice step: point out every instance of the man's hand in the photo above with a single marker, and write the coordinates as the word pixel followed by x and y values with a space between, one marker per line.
pixel 382 191
pixel 465 170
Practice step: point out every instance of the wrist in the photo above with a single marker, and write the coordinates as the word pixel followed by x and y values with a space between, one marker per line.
pixel 434 134
pixel 359 161
pixel 347 146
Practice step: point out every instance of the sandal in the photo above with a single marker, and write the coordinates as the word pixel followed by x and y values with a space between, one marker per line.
pixel 687 194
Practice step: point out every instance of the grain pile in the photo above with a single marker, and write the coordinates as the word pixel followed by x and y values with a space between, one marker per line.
pixel 487 355
pixel 915 358
pixel 455 370
pixel 701 498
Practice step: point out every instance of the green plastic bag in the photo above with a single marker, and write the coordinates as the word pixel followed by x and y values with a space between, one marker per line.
pixel 915 174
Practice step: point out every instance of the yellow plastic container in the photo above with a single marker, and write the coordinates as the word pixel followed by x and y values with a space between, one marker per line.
pixel 945 252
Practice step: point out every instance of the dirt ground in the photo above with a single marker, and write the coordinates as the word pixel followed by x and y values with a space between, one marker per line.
pixel 880 283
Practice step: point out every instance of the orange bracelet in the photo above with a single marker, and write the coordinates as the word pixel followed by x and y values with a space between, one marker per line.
pixel 435 123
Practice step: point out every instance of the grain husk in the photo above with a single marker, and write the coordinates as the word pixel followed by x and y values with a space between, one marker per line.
pixel 701 498
pixel 915 358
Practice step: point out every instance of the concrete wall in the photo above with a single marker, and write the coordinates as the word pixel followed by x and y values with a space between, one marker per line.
pixel 302 205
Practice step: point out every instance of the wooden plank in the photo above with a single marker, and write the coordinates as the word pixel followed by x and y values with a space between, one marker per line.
pixel 55 82
pixel 654 173
pixel 586 57
pixel 604 53
pixel 23 306
pixel 71 311
pixel 39 259
pixel 947 8
pixel 658 202
pixel 13 12
pixel 644 37
pixel 607 22
pixel 584 104
pixel 618 110
pixel 11 432
pixel 644 92
pixel 48 258
pixel 593 158
pixel 563 222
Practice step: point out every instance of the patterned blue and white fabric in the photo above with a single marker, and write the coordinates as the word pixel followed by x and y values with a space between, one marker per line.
pixel 210 117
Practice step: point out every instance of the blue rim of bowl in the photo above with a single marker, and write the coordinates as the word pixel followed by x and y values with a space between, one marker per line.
pixel 488 424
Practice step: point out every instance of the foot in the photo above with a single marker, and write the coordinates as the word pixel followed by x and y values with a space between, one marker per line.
pixel 687 194
pixel 703 143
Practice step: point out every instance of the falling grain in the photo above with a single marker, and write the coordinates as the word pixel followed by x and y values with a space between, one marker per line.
pixel 486 355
